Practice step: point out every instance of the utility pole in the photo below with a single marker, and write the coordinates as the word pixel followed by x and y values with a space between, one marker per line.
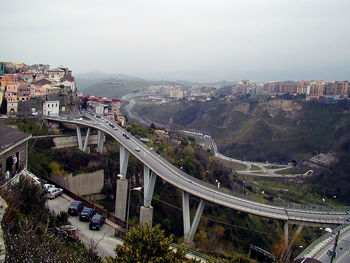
pixel 334 246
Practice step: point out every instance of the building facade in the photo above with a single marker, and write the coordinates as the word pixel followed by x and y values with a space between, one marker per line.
pixel 13 151
pixel 51 108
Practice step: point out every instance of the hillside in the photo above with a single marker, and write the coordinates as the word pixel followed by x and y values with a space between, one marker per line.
pixel 273 130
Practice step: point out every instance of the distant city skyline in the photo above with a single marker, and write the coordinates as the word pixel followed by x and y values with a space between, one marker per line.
pixel 201 41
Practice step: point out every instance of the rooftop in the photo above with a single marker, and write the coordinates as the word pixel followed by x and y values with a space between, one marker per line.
pixel 10 137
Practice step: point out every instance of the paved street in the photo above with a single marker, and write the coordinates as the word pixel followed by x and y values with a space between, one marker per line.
pixel 264 171
pixel 342 251
pixel 105 237
pixel 203 190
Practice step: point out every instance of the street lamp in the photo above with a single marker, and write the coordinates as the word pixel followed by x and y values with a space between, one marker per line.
pixel 329 252
pixel 127 216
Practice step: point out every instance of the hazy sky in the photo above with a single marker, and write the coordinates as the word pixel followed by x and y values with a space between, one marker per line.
pixel 203 40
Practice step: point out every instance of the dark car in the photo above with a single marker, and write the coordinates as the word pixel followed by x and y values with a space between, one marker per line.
pixel 86 214
pixel 126 136
pixel 97 221
pixel 75 207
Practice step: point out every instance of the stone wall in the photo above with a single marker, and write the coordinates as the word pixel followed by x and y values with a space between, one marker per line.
pixel 81 184
pixel 72 141
pixel 67 99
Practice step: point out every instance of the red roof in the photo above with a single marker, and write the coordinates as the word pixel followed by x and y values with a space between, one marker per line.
pixel 6 78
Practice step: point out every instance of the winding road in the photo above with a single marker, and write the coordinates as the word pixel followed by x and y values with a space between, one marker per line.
pixel 261 169
pixel 206 191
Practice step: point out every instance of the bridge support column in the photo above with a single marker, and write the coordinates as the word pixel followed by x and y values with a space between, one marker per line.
pixel 86 140
pixel 100 140
pixel 121 198
pixel 80 143
pixel 122 185
pixel 124 159
pixel 286 235
pixel 189 230
pixel 146 211
pixel 297 233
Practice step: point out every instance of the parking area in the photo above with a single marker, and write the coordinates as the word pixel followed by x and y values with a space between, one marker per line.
pixel 104 239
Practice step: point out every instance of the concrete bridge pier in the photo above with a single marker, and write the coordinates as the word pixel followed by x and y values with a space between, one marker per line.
pixel 122 185
pixel 100 140
pixel 146 211
pixel 80 143
pixel 286 235
pixel 190 230
pixel 288 245
pixel 86 140
pixel 80 139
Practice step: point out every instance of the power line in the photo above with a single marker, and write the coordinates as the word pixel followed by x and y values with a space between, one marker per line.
pixel 180 209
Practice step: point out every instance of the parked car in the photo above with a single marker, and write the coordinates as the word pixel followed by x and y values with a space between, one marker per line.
pixel 97 221
pixel 87 213
pixel 75 207
pixel 52 193
pixel 48 186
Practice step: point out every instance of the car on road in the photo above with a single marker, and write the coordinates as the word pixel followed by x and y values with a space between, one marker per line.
pixel 137 149
pixel 97 221
pixel 126 136
pixel 87 213
pixel 75 207
pixel 52 193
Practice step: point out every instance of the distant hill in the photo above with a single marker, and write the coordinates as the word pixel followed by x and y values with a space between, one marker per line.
pixel 96 75
pixel 273 130
pixel 117 85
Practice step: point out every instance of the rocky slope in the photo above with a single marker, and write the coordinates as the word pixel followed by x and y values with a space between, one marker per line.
pixel 273 130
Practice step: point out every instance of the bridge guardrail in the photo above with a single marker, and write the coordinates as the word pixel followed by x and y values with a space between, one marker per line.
pixel 342 228
pixel 341 210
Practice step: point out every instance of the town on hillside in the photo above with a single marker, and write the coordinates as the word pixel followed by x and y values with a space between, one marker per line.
pixel 40 90
pixel 308 89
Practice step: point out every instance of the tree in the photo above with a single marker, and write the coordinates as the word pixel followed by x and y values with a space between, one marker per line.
pixel 3 107
pixel 143 244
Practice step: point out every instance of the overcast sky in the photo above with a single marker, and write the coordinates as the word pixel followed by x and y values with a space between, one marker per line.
pixel 204 40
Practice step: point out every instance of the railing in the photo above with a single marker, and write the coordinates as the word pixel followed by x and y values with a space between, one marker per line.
pixel 87 203
pixel 322 242
pixel 310 209
pixel 196 254
pixel 99 210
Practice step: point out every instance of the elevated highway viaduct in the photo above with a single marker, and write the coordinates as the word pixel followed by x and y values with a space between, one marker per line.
pixel 155 165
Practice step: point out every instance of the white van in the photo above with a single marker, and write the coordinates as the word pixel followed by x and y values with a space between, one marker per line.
pixel 52 193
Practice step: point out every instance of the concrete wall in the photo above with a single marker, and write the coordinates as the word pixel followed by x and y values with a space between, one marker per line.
pixel 72 141
pixel 81 184
pixel 22 158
